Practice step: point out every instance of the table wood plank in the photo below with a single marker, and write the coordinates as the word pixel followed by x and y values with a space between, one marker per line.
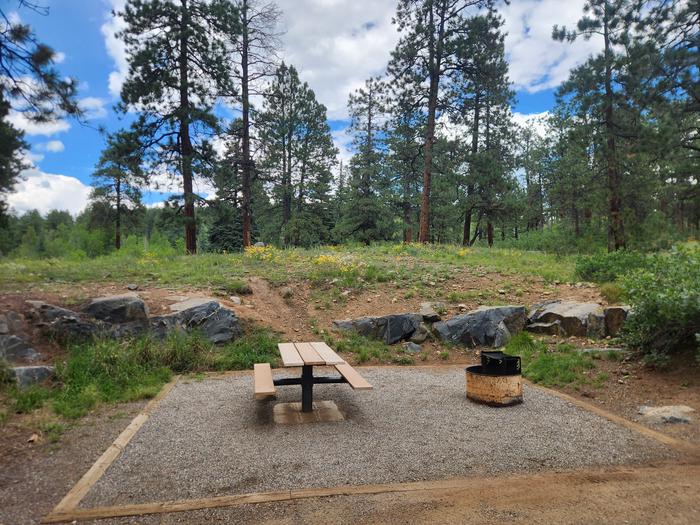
pixel 327 353
pixel 355 380
pixel 309 355
pixel 264 385
pixel 290 356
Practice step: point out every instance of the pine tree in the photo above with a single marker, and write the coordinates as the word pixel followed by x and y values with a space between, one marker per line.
pixel 298 157
pixel 118 177
pixel 256 57
pixel 30 85
pixel 179 66
pixel 594 83
pixel 422 64
pixel 364 218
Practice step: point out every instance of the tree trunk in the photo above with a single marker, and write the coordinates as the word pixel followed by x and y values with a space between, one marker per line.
pixel 185 141
pixel 245 115
pixel 616 233
pixel 118 225
pixel 489 233
pixel 435 63
pixel 470 187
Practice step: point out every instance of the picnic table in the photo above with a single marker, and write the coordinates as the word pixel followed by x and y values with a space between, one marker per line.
pixel 306 356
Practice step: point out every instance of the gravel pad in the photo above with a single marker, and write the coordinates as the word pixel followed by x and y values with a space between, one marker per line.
pixel 210 438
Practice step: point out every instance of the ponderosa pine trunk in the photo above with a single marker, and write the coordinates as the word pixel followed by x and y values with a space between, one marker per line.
pixel 185 141
pixel 118 222
pixel 435 48
pixel 245 115
pixel 470 187
pixel 616 232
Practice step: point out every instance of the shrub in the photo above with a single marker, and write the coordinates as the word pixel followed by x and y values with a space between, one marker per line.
pixel 607 267
pixel 665 297
pixel 612 292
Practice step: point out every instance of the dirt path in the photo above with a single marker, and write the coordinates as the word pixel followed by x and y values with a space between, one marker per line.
pixel 647 495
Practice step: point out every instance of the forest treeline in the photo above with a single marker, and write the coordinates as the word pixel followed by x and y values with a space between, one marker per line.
pixel 438 155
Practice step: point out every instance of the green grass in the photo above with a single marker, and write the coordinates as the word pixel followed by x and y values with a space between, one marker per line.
pixel 110 371
pixel 561 367
pixel 346 266
pixel 365 349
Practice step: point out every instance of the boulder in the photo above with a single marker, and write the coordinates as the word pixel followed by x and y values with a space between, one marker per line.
pixel 427 310
pixel 615 317
pixel 118 309
pixel 64 324
pixel 389 328
pixel 422 334
pixel 15 349
pixel 553 328
pixel 259 244
pixel 10 322
pixel 412 348
pixel 485 326
pixel 578 319
pixel 217 324
pixel 666 414
pixel 31 375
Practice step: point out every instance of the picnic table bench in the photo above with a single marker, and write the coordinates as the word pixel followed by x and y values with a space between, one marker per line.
pixel 306 356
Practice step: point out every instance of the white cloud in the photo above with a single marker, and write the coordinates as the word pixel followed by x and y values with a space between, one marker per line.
pixel 54 146
pixel 535 121
pixel 47 191
pixel 93 107
pixel 59 57
pixel 343 141
pixel 536 61
pixel 20 121
pixel 115 47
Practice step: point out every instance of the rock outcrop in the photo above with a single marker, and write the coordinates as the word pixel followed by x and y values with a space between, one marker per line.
pixel 31 375
pixel 216 323
pixel 16 349
pixel 117 309
pixel 389 328
pixel 485 326
pixel 574 318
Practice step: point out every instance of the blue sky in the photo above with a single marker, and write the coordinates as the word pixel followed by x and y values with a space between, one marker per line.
pixel 335 44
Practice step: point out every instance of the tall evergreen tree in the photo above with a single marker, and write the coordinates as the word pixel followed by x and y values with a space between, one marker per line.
pixel 179 66
pixel 298 157
pixel 30 85
pixel 594 83
pixel 118 177
pixel 256 50
pixel 422 63
pixel 364 218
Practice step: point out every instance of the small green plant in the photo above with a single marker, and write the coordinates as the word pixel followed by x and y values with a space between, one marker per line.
pixel 611 292
pixel 564 366
pixel 29 399
pixel 52 430
pixel 402 360
pixel 257 346
pixel 444 355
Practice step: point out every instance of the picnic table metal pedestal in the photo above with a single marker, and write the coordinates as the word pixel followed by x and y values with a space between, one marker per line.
pixel 307 382
pixel 308 355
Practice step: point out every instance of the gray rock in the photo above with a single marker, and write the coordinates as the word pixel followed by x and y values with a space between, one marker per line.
pixel 235 299
pixel 132 287
pixel 553 328
pixel 578 319
pixel 389 328
pixel 31 375
pixel 11 322
pixel 485 326
pixel 14 349
pixel 428 311
pixel 286 292
pixel 118 309
pixel 259 244
pixel 190 302
pixel 422 334
pixel 615 317
pixel 217 324
pixel 666 414
pixel 412 348
pixel 65 324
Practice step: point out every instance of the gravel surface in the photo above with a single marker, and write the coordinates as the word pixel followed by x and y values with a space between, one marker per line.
pixel 210 438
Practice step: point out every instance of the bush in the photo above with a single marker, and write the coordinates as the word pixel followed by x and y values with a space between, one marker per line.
pixel 665 297
pixel 607 267
pixel 612 292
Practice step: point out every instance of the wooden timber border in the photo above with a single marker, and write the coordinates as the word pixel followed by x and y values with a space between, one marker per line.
pixel 67 511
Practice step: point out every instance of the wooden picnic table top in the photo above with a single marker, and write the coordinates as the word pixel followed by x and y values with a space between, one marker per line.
pixel 315 354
